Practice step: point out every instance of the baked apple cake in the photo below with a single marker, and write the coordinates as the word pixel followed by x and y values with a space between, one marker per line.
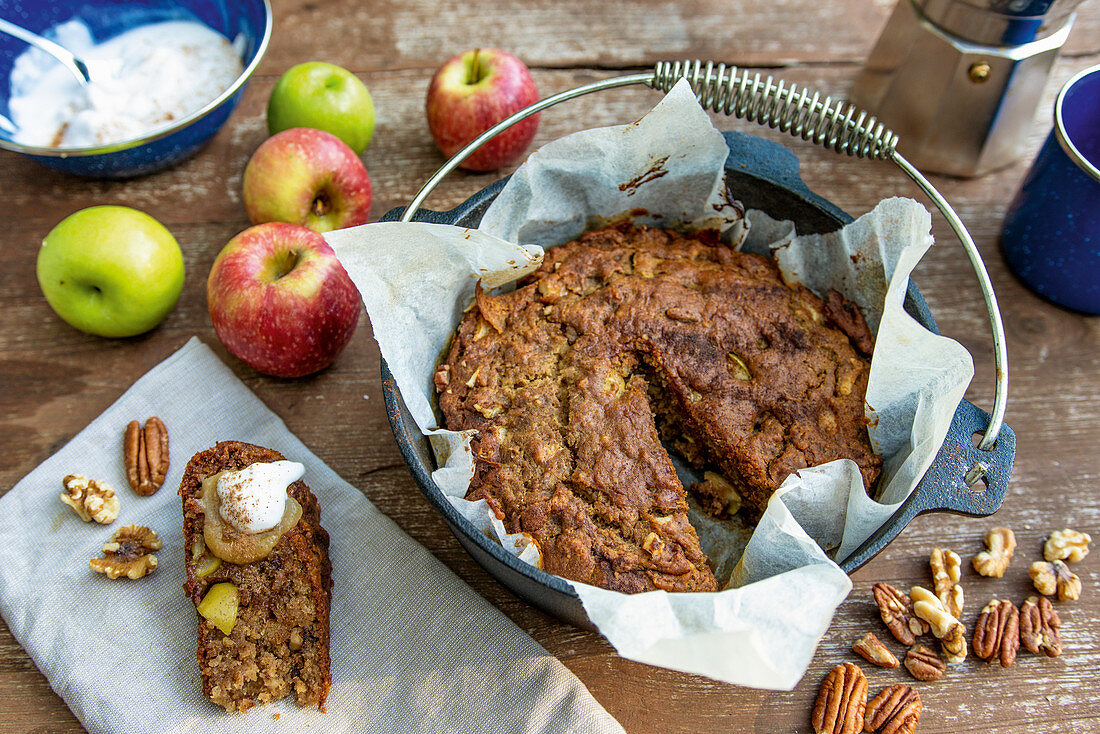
pixel 630 336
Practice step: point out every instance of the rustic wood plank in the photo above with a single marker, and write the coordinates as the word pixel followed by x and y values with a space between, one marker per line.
pixel 55 380
pixel 585 34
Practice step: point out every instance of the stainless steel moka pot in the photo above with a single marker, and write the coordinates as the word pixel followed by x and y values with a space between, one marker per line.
pixel 959 80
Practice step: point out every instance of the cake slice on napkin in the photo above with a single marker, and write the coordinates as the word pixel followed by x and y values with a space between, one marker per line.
pixel 259 575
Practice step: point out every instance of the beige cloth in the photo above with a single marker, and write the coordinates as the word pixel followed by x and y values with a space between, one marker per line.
pixel 414 649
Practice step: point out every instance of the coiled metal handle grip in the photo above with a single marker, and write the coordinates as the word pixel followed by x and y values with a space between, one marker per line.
pixel 805 114
pixel 780 105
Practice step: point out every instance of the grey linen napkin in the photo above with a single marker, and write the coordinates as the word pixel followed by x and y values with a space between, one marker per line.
pixel 414 649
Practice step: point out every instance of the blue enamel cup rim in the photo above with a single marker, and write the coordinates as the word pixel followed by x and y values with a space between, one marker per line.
pixel 1060 129
pixel 161 132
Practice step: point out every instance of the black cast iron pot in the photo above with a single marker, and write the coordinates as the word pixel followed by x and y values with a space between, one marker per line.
pixel 765 176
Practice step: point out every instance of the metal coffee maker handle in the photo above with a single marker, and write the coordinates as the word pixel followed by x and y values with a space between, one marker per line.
pixel 959 80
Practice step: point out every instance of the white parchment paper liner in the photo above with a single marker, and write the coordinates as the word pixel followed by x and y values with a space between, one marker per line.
pixel 667 168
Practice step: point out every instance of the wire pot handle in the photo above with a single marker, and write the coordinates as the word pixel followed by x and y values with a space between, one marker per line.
pixel 803 113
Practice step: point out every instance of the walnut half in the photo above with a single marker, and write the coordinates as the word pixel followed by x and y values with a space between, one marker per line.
pixel 1050 578
pixel 129 553
pixel 90 500
pixel 1066 545
pixel 945 626
pixel 1001 544
pixel 946 566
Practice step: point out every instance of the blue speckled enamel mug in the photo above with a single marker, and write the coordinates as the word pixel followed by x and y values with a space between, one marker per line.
pixel 1051 235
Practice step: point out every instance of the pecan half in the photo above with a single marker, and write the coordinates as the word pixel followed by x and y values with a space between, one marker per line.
pixel 1066 545
pixel 1040 627
pixel 871 649
pixel 896 610
pixel 946 566
pixel 842 701
pixel 924 663
pixel 145 453
pixel 1050 578
pixel 997 632
pixel 945 627
pixel 896 710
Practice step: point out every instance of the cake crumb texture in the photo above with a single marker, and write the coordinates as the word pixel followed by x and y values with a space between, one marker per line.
pixel 632 335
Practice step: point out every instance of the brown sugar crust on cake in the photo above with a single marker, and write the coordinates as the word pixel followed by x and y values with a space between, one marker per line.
pixel 628 335
pixel 280 643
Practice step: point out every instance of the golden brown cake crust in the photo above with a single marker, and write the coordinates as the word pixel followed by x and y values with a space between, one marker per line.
pixel 280 643
pixel 624 336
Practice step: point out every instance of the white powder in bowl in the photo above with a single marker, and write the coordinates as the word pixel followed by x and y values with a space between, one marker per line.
pixel 160 73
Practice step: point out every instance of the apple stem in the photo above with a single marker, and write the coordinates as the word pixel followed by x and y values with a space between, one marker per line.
pixel 288 264
pixel 321 205
pixel 473 69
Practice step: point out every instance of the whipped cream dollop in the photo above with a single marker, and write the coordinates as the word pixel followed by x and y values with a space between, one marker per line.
pixel 253 499
pixel 157 74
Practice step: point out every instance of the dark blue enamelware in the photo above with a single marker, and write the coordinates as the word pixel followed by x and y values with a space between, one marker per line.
pixel 765 176
pixel 1051 235
pixel 251 19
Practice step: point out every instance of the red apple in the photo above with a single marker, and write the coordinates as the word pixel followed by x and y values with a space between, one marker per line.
pixel 280 300
pixel 474 91
pixel 307 177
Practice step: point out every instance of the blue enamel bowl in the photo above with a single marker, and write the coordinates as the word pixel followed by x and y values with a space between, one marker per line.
pixel 249 20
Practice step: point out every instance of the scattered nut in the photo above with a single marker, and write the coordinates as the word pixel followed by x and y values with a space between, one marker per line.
pixel 997 632
pixel 896 710
pixel 924 663
pixel 945 626
pixel 873 651
pixel 1067 545
pixel 1050 578
pixel 842 701
pixel 896 610
pixel 145 453
pixel 1040 627
pixel 1001 543
pixel 1043 577
pixel 946 565
pixel 129 553
pixel 91 500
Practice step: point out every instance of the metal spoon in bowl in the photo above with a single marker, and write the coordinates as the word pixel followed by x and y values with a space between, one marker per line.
pixel 85 72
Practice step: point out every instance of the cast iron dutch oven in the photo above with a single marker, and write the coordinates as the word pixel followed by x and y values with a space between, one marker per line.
pixel 764 176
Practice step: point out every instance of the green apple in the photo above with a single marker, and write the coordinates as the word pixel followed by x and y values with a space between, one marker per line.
pixel 111 271
pixel 326 97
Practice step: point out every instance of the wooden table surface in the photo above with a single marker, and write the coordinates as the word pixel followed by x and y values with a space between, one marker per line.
pixel 54 380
